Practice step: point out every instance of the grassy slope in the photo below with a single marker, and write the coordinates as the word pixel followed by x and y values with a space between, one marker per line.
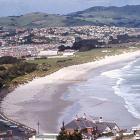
pixel 33 20
pixel 54 64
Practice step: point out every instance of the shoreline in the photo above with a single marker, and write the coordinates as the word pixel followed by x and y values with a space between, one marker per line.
pixel 96 97
pixel 64 77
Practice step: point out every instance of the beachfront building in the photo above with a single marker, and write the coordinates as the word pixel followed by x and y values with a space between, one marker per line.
pixel 47 53
pixel 91 128
pixel 69 53
pixel 46 136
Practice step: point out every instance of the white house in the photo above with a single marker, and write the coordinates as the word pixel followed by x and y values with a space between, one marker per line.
pixel 69 53
pixel 48 53
pixel 46 136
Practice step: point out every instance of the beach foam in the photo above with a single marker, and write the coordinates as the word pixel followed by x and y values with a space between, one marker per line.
pixel 128 91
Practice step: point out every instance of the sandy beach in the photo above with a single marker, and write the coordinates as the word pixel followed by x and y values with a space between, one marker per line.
pixel 43 99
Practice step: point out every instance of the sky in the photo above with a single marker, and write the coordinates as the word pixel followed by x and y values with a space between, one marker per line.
pixel 18 7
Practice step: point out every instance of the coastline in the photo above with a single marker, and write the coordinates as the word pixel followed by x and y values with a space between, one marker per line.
pixel 53 82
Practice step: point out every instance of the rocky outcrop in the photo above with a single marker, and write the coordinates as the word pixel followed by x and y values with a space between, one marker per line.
pixel 87 44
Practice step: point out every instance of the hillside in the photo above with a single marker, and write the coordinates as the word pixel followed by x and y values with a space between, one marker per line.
pixel 33 20
pixel 128 16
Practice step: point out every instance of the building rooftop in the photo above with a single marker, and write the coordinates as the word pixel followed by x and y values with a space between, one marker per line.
pixel 99 125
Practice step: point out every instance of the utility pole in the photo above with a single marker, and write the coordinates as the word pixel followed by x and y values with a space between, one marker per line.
pixel 38 127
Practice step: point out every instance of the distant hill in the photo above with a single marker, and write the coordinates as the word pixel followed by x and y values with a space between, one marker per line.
pixel 128 16
pixel 33 20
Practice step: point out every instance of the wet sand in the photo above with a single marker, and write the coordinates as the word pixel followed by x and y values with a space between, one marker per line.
pixel 44 107
pixel 44 100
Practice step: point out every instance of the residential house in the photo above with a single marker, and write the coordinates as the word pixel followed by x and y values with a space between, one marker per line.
pixel 91 128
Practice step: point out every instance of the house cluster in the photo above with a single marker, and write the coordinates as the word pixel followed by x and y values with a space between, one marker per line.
pixel 67 35
pixel 26 50
pixel 92 128
pixel 89 128
pixel 34 51
pixel 18 51
pixel 10 37
pixel 25 42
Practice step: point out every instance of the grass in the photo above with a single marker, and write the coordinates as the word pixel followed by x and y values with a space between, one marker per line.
pixel 54 64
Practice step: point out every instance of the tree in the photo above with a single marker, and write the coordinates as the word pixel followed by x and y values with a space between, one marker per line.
pixel 8 60
pixel 63 135
pixel 15 70
pixel 77 135
pixel 2 68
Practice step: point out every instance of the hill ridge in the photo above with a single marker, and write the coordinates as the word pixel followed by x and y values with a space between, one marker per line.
pixel 127 16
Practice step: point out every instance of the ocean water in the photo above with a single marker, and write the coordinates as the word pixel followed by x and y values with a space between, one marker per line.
pixel 128 85
pixel 113 93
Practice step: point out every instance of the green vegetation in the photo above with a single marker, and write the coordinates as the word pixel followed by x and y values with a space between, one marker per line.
pixel 128 16
pixel 75 136
pixel 8 60
pixel 11 67
pixel 63 135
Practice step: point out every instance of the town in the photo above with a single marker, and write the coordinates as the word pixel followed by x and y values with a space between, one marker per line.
pixel 37 42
